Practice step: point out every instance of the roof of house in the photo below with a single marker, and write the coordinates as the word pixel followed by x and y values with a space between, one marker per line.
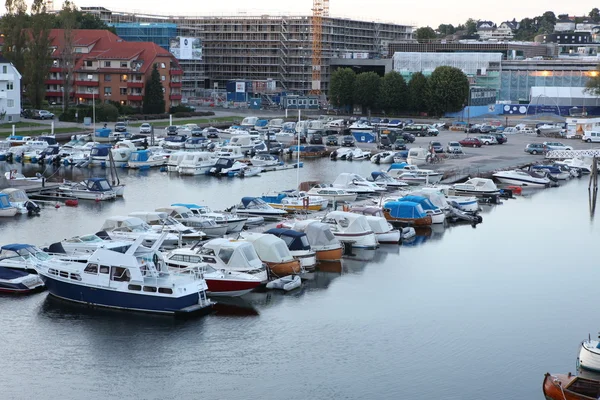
pixel 485 25
pixel 3 60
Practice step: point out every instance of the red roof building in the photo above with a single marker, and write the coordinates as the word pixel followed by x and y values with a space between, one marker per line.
pixel 110 69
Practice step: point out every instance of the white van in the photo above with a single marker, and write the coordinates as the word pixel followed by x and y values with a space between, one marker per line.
pixel 591 136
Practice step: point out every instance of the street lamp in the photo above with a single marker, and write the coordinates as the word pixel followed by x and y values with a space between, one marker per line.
pixel 93 110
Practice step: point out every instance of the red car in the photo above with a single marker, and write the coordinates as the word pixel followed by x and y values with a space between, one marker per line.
pixel 470 142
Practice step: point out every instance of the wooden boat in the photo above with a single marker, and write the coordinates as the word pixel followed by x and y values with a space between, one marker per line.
pixel 406 212
pixel 570 387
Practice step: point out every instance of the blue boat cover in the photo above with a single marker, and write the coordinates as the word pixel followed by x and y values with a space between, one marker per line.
pixel 103 132
pixel 15 246
pixel 247 200
pixel 274 199
pixel 8 274
pixel 293 239
pixel 4 201
pixel 140 155
pixel 423 201
pixel 397 166
pixel 187 205
pixel 405 209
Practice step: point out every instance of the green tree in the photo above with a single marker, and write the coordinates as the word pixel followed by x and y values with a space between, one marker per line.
pixel 471 26
pixel 446 29
pixel 546 23
pixel 90 21
pixel 448 89
pixel 14 26
pixel 341 88
pixel 366 89
pixel 425 33
pixel 595 14
pixel 68 20
pixel 154 99
pixel 37 56
pixel 418 93
pixel 393 93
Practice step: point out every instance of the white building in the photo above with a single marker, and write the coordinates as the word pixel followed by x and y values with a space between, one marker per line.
pixel 564 25
pixel 10 92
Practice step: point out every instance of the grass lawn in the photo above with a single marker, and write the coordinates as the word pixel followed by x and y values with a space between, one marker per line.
pixel 43 131
pixel 17 125
pixel 182 121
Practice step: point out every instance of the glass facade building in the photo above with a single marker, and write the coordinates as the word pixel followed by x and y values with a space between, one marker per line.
pixel 154 32
pixel 516 84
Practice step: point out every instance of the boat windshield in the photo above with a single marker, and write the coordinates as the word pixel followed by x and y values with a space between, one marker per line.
pixel 249 253
pixel 4 203
pixel 33 252
pixel 88 239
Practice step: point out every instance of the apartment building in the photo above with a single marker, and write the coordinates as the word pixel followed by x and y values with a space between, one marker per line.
pixel 10 92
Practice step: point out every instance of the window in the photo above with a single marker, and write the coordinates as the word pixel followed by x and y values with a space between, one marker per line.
pixel 107 64
pixel 64 274
pixel 107 90
pixel 104 269
pixel 123 91
pixel 76 277
pixel 88 63
pixel 165 290
pixel 4 69
pixel 134 287
pixel 124 78
pixel 151 289
pixel 163 77
pixel 91 269
pixel 162 65
pixel 120 274
pixel 123 64
pixel 9 86
pixel 225 255
pixel 10 103
pixel 107 77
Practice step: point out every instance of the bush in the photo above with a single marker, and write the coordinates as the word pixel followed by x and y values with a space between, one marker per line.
pixel 181 108
pixel 182 114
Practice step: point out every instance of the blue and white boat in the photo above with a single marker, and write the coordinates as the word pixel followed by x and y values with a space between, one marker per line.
pixel 257 206
pixel 437 215
pixel 144 159
pixel 129 281
pixel 99 154
pixel 21 256
pixel 6 209
pixel 14 281
pixel 89 189
pixel 406 212
pixel 105 135
pixel 553 170
pixel 363 132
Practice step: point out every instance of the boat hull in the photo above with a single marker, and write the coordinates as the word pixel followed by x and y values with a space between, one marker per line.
pixel 8 212
pixel 285 268
pixel 230 288
pixel 589 356
pixel 297 207
pixel 555 387
pixel 110 298
pixel 362 240
pixel 424 221
pixel 330 254
pixel 520 182
pixel 391 237
pixel 308 259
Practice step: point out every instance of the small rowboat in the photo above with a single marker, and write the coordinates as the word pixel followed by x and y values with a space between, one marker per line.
pixel 570 387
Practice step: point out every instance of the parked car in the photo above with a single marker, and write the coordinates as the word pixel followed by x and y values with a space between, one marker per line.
pixel 487 139
pixel 535 148
pixel 332 140
pixel 43 114
pixel 500 137
pixel 454 148
pixel 436 146
pixel 556 146
pixel 591 136
pixel 470 142
pixel 145 128
pixel 120 127
pixel 408 137
pixel 385 143
pixel 432 131
pixel 348 141
pixel 399 144
pixel 212 133
pixel 316 138
pixel 197 132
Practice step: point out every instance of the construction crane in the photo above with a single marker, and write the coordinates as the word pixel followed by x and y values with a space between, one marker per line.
pixel 320 9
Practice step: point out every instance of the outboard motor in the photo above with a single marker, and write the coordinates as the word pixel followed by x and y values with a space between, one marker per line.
pixel 333 155
pixel 9 157
pixel 377 159
pixel 32 208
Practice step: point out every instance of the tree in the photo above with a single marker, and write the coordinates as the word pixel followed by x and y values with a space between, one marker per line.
pixel 68 21
pixel 341 88
pixel 449 90
pixel 471 26
pixel 425 33
pixel 37 57
pixel 418 93
pixel 366 89
pixel 595 14
pixel 446 29
pixel 14 25
pixel 393 93
pixel 546 23
pixel 154 98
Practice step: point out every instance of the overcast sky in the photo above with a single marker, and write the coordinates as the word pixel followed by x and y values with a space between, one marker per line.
pixel 421 13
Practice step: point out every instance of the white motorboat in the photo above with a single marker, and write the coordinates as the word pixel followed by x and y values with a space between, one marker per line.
pixel 351 228
pixel 549 129
pixel 584 164
pixel 475 187
pixel 257 206
pixel 229 152
pixel 385 157
pixel 162 222
pixel 332 194
pixel 174 160
pixel 173 143
pixel 589 355
pixel 443 200
pixel 417 156
pixel 21 256
pixel 274 252
pixel 384 231
pixel 87 244
pixel 299 246
pixel 350 154
pixel 265 160
pixel 249 122
pixel 286 283
pixel 148 158
pixel 361 126
pixel 126 282
pixel 227 166
pixel 420 176
pixel 122 151
pixel 386 181
pixel 131 228
pixel 6 209
pixel 292 200
pixel 521 178
pixel 244 142
pixel 19 199
pixel 233 223
pixel 226 255
pixel 13 175
pixel 97 189
pixel 196 163
pixel 357 184
pixel 202 223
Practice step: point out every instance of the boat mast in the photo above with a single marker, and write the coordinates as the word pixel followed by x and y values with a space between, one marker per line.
pixel 298 149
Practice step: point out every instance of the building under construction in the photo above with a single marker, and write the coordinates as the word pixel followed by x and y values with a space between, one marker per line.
pixel 267 48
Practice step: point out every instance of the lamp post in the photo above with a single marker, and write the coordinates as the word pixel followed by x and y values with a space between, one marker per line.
pixel 93 111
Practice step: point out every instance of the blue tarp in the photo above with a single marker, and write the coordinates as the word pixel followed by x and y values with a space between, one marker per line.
pixel 397 166
pixel 15 246
pixel 423 201
pixel 405 209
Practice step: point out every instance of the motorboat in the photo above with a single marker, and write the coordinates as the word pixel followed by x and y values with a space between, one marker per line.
pixel 479 187
pixel 17 140
pixel 122 151
pixel 418 156
pixel 406 212
pixel 292 201
pixel 32 149
pixel 233 223
pixel 570 387
pixel 19 199
pixel 385 157
pixel 351 228
pixel 315 126
pixel 87 244
pixel 49 155
pixel 436 213
pixel 265 160
pixel 550 129
pixel 15 176
pixel 205 224
pixel 162 222
pixel 321 239
pixel 520 177
pixel 274 252
pixel 558 172
pixel 228 255
pixel 226 166
pixel 589 355
pixel 99 154
pixel 350 154
pixel 331 194
pixel 249 122
pixel 386 181
pixel 229 152
pixel 384 231
pixel 257 206
pixel 196 163
pixel 298 244
pixel 19 282
pixel 421 176
pixel 285 283
pixel 175 142
pixel 21 256
pixel 126 282
pixel 308 151
pixel 175 159
pixel 584 164
pixel 221 283
pixel 362 131
pixel 275 123
pixel 244 142
pixel 131 228
pixel 196 143
pixel 143 159
pixel 97 189
pixel 352 182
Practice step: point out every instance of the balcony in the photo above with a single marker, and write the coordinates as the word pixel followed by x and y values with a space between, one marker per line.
pixel 135 97
pixel 135 84
pixel 54 82
pixel 56 69
pixel 175 84
pixel 86 83
pixel 86 95
pixel 7 77
pixel 176 71
pixel 53 93
pixel 175 97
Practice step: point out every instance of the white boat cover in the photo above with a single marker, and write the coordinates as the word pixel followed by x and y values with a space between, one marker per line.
pixel 348 222
pixel 269 248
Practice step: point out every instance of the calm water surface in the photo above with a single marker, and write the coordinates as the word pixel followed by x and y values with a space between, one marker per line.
pixel 462 314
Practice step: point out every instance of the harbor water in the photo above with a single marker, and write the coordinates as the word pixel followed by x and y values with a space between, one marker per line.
pixel 463 313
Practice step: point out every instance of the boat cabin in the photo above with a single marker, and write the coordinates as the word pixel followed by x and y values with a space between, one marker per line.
pixel 295 240
pixel 97 185
pixel 269 248
pixel 125 224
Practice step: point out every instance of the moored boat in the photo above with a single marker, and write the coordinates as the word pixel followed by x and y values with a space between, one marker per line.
pixel 520 177
pixel 570 387
pixel 321 239
pixel 89 189
pixel 589 355
pixel 298 244
pixel 257 206
pixel 351 228
pixel 19 282
pixel 406 212
pixel 274 252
